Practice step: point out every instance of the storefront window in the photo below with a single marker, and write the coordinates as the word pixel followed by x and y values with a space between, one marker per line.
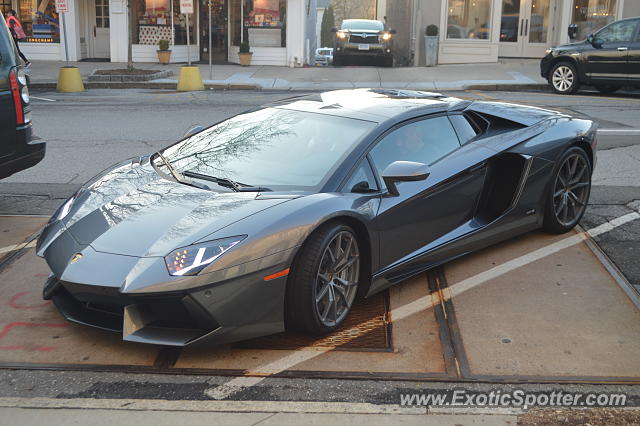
pixel 591 15
pixel 263 22
pixel 469 19
pixel 161 20
pixel 5 6
pixel 40 21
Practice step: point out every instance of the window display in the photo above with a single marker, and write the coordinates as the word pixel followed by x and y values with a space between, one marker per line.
pixel 263 22
pixel 39 20
pixel 591 15
pixel 160 20
pixel 469 19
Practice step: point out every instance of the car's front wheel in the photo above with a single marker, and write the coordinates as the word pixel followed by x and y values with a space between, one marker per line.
pixel 324 280
pixel 569 191
pixel 564 78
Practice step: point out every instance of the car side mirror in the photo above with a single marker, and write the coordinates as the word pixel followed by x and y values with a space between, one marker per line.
pixel 403 171
pixel 334 30
pixel 573 31
pixel 595 42
pixel 392 31
pixel 192 131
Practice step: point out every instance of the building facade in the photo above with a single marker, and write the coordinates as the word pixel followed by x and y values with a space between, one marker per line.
pixel 473 31
pixel 279 32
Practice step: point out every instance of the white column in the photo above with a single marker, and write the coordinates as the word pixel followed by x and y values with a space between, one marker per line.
pixel 565 9
pixel 72 23
pixel 296 18
pixel 119 30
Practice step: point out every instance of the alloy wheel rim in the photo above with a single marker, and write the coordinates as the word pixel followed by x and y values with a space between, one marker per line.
pixel 563 78
pixel 571 189
pixel 337 279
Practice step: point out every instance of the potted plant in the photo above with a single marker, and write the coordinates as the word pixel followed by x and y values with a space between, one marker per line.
pixel 431 46
pixel 164 54
pixel 245 54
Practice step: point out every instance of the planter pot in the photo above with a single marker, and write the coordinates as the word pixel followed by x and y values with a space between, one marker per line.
pixel 431 51
pixel 245 59
pixel 164 56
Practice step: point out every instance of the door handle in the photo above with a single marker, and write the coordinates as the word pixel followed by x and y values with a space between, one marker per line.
pixel 526 27
pixel 94 31
pixel 622 49
pixel 521 26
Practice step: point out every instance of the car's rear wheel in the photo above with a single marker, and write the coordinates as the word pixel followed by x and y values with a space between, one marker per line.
pixel 324 280
pixel 607 88
pixel 338 61
pixel 564 78
pixel 569 191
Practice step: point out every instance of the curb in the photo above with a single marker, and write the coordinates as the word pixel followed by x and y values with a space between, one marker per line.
pixel 257 87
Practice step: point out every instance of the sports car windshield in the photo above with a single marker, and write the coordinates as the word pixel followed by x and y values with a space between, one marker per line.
pixel 275 148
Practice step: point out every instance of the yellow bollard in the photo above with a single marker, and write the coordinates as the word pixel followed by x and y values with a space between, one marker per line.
pixel 69 80
pixel 190 79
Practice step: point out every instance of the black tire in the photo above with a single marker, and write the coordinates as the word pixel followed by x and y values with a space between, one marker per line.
pixel 301 304
pixel 607 89
pixel 338 60
pixel 554 219
pixel 564 79
pixel 387 61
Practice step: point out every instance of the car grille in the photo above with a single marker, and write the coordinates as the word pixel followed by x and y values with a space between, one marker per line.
pixel 358 38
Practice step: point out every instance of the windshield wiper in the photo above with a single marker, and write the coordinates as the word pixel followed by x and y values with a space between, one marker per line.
pixel 173 171
pixel 227 183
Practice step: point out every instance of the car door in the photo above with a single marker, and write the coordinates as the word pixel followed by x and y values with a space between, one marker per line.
pixel 634 58
pixel 608 61
pixel 428 209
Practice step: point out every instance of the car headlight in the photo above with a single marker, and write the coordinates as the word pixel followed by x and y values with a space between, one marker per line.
pixel 341 35
pixel 386 36
pixel 193 259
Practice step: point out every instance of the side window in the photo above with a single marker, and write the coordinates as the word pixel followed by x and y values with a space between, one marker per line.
pixel 424 141
pixel 465 130
pixel 362 180
pixel 620 32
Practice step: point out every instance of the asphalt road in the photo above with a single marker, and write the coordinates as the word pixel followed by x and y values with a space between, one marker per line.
pixel 88 132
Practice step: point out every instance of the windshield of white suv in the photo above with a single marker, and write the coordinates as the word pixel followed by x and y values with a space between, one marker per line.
pixel 361 24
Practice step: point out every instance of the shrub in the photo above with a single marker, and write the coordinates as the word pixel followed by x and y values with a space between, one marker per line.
pixel 432 30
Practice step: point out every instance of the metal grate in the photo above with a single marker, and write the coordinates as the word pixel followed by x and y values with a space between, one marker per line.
pixel 367 328
pixel 364 38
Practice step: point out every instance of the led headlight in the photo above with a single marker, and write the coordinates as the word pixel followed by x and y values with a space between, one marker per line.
pixel 386 36
pixel 193 259
pixel 341 35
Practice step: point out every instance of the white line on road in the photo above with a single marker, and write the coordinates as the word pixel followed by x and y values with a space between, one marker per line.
pixel 42 99
pixel 423 303
pixel 17 247
pixel 619 131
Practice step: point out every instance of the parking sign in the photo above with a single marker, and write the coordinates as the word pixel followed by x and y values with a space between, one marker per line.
pixel 186 6
pixel 62 6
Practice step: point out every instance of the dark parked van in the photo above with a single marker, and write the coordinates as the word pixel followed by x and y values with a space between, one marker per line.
pixel 18 147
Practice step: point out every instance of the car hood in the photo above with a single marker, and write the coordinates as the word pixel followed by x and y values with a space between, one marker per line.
pixel 577 46
pixel 132 210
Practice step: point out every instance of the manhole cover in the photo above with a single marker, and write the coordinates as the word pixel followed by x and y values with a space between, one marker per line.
pixel 366 328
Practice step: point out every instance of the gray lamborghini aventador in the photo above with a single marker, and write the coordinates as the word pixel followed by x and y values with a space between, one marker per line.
pixel 282 216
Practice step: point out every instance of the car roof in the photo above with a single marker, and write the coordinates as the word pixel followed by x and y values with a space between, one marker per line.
pixel 371 104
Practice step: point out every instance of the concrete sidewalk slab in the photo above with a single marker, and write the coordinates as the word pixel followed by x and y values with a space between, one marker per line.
pixel 502 75
pixel 561 316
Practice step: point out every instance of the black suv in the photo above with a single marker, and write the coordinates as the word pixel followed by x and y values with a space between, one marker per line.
pixel 607 59
pixel 18 148
pixel 363 37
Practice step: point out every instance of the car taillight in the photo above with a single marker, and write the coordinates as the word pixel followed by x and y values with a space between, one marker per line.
pixel 20 94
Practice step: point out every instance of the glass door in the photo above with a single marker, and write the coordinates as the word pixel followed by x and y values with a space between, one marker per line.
pixel 101 38
pixel 525 29
pixel 218 31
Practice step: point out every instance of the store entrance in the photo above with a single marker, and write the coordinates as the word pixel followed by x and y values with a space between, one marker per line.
pixel 526 26
pixel 218 29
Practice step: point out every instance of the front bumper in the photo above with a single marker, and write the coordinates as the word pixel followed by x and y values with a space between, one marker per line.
pixel 104 291
pixel 352 49
pixel 545 65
